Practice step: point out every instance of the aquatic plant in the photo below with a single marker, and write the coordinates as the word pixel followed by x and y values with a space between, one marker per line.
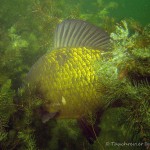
pixel 28 139
pixel 6 103
pixel 124 73
pixel 100 17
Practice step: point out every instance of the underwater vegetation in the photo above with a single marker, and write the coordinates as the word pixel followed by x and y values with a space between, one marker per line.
pixel 123 71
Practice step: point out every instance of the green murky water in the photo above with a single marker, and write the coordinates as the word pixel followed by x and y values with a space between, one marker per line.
pixel 123 74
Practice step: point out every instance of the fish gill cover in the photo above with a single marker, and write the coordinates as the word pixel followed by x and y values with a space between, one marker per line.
pixel 27 31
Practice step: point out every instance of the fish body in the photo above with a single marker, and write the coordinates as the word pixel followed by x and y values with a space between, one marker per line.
pixel 66 77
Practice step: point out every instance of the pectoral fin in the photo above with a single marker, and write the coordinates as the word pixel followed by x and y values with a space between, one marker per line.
pixel 45 115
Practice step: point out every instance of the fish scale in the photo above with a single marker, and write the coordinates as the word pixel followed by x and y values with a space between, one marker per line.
pixel 72 77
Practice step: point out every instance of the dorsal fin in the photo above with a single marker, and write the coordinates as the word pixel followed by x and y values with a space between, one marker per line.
pixel 77 33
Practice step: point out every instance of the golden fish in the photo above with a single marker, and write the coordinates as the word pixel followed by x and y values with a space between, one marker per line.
pixel 66 77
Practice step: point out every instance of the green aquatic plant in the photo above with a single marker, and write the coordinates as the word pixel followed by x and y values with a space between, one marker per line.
pixel 124 73
pixel 28 140
pixel 6 103
pixel 11 58
pixel 138 113
pixel 16 40
pixel 100 17
pixel 16 117
pixel 65 134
